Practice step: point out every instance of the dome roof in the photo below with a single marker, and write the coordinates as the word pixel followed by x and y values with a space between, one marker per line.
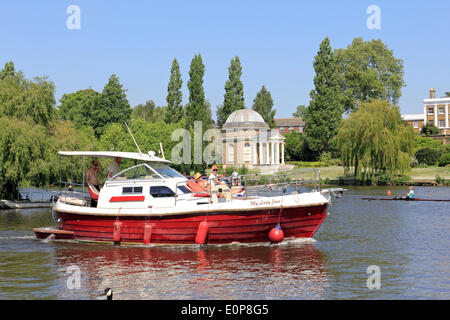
pixel 245 118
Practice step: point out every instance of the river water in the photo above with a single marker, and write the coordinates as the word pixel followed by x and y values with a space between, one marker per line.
pixel 406 243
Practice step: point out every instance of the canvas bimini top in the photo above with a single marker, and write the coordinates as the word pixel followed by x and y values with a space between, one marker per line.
pixel 150 156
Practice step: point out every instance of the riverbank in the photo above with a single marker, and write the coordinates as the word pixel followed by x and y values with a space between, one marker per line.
pixel 416 176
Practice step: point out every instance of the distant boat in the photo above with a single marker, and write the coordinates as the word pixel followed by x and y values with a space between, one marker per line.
pixel 24 204
pixel 405 199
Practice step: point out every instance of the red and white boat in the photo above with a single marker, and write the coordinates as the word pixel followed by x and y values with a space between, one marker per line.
pixel 151 203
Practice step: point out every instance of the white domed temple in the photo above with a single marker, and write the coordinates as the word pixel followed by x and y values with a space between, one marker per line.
pixel 248 140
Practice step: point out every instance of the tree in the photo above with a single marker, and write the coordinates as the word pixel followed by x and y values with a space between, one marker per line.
pixel 447 94
pixel 25 99
pixel 24 151
pixel 197 109
pixel 8 71
pixel 234 92
pixel 80 107
pixel 114 105
pixel 368 70
pixel 145 112
pixel 429 129
pixel 175 110
pixel 375 140
pixel 300 112
pixel 263 104
pixel 324 114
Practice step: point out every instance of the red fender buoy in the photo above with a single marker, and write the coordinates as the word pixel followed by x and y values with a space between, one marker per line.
pixel 202 232
pixel 116 231
pixel 147 234
pixel 276 234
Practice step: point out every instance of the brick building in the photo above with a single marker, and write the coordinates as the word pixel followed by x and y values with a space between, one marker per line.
pixel 286 125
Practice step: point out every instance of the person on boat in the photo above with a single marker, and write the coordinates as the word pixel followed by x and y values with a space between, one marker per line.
pixel 92 174
pixel 113 168
pixel 213 178
pixel 410 194
pixel 92 178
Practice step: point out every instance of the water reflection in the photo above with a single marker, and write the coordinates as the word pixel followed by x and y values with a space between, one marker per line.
pixel 225 272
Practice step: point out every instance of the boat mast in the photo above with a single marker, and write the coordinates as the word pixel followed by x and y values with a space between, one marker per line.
pixel 133 138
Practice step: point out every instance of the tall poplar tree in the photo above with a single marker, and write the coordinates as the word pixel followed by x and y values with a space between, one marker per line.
pixel 263 104
pixel 323 116
pixel 197 109
pixel 174 96
pixel 234 92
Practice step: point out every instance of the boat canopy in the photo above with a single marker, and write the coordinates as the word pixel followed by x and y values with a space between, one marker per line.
pixel 150 156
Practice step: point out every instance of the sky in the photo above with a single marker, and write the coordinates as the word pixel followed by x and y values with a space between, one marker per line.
pixel 276 42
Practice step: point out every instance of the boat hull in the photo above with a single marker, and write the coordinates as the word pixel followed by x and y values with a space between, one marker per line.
pixel 224 227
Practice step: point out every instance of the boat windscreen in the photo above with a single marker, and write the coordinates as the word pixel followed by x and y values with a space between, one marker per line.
pixel 139 172
pixel 166 171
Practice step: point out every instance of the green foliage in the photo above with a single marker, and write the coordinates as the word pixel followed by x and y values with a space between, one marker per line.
pixel 444 159
pixel 324 114
pixel 375 140
pixel 427 155
pixel 294 146
pixel 80 106
pixel 25 99
pixel 299 112
pixel 429 129
pixel 422 142
pixel 24 149
pixel 368 70
pixel 197 108
pixel 149 112
pixel 174 97
pixel 263 104
pixel 234 92
pixel 114 106
pixel 97 110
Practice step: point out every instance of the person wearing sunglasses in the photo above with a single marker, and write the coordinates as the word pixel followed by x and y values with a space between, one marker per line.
pixel 213 179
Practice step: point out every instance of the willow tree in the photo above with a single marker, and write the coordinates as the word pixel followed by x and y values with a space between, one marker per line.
pixel 375 140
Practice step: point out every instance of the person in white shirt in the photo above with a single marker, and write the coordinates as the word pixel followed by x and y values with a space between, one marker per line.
pixel 113 168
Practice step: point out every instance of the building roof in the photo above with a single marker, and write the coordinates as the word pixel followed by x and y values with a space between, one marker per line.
pixel 289 122
pixel 245 118
pixel 412 117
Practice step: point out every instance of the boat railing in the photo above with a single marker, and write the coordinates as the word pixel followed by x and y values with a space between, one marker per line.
pixel 80 193
pixel 269 185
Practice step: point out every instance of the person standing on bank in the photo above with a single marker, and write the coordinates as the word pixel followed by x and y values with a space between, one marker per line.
pixel 113 168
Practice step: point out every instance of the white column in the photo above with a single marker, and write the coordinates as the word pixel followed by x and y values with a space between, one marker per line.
pixel 435 116
pixel 282 153
pixel 254 153
pixel 272 155
pixel 260 153
pixel 277 153
pixel 267 153
pixel 446 115
pixel 425 120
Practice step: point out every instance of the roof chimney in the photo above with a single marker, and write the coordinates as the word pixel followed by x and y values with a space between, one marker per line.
pixel 432 93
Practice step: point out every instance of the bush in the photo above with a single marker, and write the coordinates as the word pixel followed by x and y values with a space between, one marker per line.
pixel 429 156
pixel 444 159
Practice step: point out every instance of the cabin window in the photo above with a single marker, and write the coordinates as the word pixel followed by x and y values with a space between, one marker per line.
pixel 416 124
pixel 441 111
pixel 161 192
pixel 131 190
pixel 430 110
